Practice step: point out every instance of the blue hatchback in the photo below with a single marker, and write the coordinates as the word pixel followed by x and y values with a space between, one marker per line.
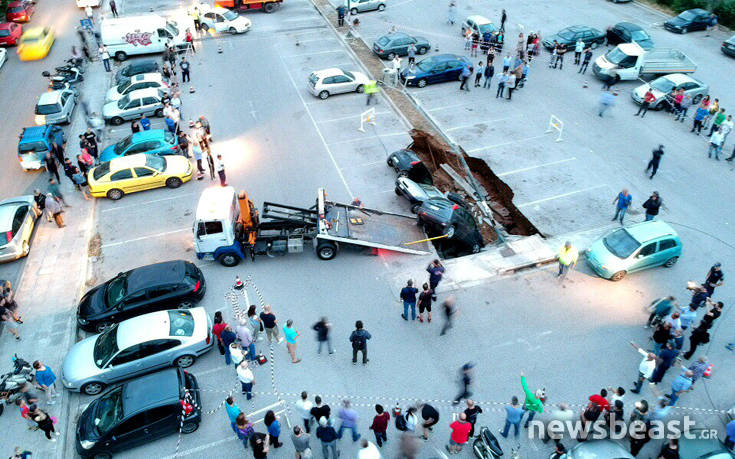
pixel 154 142
pixel 634 248
pixel 435 69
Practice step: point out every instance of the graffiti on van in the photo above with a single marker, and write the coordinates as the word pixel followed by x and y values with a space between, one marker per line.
pixel 138 38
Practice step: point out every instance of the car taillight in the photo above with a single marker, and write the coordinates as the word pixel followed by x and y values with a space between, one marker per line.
pixel 209 337
pixel 196 287
pixel 9 235
pixel 455 207
pixel 380 50
pixel 20 158
pixel 175 147
pixel 415 162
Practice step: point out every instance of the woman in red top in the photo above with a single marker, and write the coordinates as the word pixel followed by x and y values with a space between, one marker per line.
pixel 217 329
pixel 190 40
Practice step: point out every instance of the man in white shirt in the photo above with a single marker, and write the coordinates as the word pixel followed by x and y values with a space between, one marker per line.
pixel 368 450
pixel 303 408
pixel 245 375
pixel 645 368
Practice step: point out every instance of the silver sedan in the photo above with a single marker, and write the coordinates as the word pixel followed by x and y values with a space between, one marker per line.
pixel 17 221
pixel 137 346
pixel 663 89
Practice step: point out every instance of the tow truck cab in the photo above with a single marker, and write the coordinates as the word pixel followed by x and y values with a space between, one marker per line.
pixel 214 226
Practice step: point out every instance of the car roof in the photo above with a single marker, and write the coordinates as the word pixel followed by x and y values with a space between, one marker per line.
pixel 332 71
pixel 479 20
pixel 696 11
pixel 140 93
pixel 33 32
pixel 148 135
pixel 394 35
pixel 7 212
pixel 150 390
pixel 631 49
pixel 628 25
pixel 152 76
pixel 143 63
pixel 445 57
pixel 125 162
pixel 679 78
pixel 600 449
pixel 654 229
pixel 34 133
pixel 49 97
pixel 154 325
pixel 156 274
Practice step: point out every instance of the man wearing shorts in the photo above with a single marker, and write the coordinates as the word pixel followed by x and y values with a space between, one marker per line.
pixel 460 434
pixel 430 416
pixel 425 303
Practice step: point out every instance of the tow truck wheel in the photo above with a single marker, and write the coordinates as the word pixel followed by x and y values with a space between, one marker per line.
pixel 326 250
pixel 228 259
pixel 269 7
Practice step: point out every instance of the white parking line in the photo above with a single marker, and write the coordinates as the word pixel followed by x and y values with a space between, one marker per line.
pixel 525 169
pixel 526 204
pixel 391 134
pixel 316 39
pixel 372 163
pixel 342 118
pixel 165 233
pixel 506 143
pixel 316 52
pixel 147 202
pixel 497 120
pixel 450 106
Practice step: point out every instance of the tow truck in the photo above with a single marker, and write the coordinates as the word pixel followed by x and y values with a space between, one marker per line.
pixel 268 6
pixel 229 228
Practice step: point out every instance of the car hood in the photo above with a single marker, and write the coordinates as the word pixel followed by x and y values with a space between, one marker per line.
pixel 108 153
pixel 93 302
pixel 110 109
pixel 599 253
pixel 79 364
pixel 177 165
pixel 112 95
pixel 677 22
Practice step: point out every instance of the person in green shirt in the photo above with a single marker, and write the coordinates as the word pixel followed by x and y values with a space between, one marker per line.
pixel 533 403
pixel 719 119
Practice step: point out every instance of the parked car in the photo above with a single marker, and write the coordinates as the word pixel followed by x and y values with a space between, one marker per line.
pixel 154 142
pixel 324 83
pixel 34 142
pixel 134 104
pixel 142 81
pixel 138 412
pixel 599 449
pixel 627 32
pixel 406 163
pixel 700 445
pixel 569 36
pixel 10 33
pixel 416 193
pixel 728 46
pixel 129 174
pixel 223 20
pixel 441 216
pixel 620 1
pixel 634 248
pixel 35 43
pixel 663 87
pixel 56 107
pixel 396 44
pixel 689 20
pixel 478 24
pixel 17 221
pixel 136 346
pixel 435 69
pixel 139 291
pixel 136 68
pixel 19 11
pixel 361 6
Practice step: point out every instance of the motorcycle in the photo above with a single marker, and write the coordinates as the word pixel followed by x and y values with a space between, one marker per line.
pixel 13 383
pixel 486 446
pixel 63 81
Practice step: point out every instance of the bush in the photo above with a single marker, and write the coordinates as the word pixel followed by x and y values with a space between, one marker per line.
pixel 724 9
pixel 683 5
pixel 726 14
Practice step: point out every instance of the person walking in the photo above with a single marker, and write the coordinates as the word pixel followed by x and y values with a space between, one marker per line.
pixel 328 436
pixel 436 273
pixel 189 39
pixel 220 167
pixel 460 434
pixel 452 13
pixel 715 144
pixel 359 338
pixel 348 420
pixel 105 56
pixel 606 100
pixel 323 329
pixel 488 72
pixel 686 102
pixel 450 309
pixel 533 403
pixel 245 335
pixel 503 18
pixel 655 161
pixel 726 127
pixel 501 84
pixel 699 335
pixel 465 381
pixel 371 90
pixel 196 151
pixel 270 324
pixel 408 296
pixel 511 84
pixel 246 378
pixel 320 410
pixel 699 116
pixel 274 428
pixel 303 408
pixel 425 299
pixel 341 9
pixel 479 72
pixel 648 99
pixel 113 8
pixel 411 54
pixel 560 56
pixel 506 62
pixel 44 421
pixel 711 26
pixel 568 256
pixel 185 69
pixel 46 380
pixel 719 119
pixel 58 151
pixel 52 166
pixel 585 61
pixel 513 416
pixel 464 77
pixel 578 48
pixel 666 358
pixel 300 440
pixel 233 411
pixel 623 200
pixel 53 208
pixel 291 334
pixel 652 206
pixel 217 328
pixel 682 383
pixel 244 430
pixel 380 425
pixel 472 411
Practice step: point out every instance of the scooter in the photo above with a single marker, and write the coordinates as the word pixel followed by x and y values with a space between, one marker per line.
pixel 11 384
pixel 71 74
pixel 486 446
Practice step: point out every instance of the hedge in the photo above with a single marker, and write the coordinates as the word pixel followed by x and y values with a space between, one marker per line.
pixel 724 9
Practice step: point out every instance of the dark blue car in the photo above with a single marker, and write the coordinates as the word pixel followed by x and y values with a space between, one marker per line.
pixel 435 69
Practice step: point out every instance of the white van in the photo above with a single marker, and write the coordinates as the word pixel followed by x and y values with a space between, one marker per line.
pixel 144 34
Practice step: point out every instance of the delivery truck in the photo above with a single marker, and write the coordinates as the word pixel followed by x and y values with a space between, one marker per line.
pixel 143 34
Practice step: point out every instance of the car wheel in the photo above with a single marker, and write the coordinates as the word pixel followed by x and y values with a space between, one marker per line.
pixel 173 182
pixel 121 56
pixel 115 194
pixel 323 95
pixel 189 427
pixel 421 83
pixel 391 56
pixel 186 304
pixel 185 361
pixel 594 45
pixel 228 259
pixel 26 248
pixel 353 11
pixel 397 190
pixel 360 89
pixel 475 248
pixel 671 262
pixel 268 8
pixel 422 50
pixel 450 231
pixel 117 121
pixel 415 208
pixel 204 27
pixel 326 250
pixel 93 388
pixel 618 276
pixel 381 7
pixel 158 113
pixel 697 99
pixel 684 30
pixel 102 326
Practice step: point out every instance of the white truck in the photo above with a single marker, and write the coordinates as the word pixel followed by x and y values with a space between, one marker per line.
pixel 144 34
pixel 628 61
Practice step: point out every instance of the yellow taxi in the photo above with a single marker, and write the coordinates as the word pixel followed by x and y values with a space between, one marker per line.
pixel 35 43
pixel 128 174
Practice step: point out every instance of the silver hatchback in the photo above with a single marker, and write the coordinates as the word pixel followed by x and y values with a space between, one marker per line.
pixel 360 6
pixel 56 107
pixel 137 346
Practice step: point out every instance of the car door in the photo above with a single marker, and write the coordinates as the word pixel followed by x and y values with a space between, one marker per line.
pixel 125 364
pixel 150 105
pixel 22 223
pixel 402 46
pixel 162 421
pixel 342 84
pixel 643 258
pixel 134 304
pixel 220 24
pixel 132 110
pixel 146 178
pixel 123 180
pixel 161 296
pixel 129 433
pixel 453 70
pixel 208 19
pixel 156 353
pixel 667 249
pixel 700 23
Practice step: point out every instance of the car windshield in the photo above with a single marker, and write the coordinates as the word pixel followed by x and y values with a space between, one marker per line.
pixel 109 411
pixel 101 170
pixel 426 65
pixel 566 34
pixel 124 85
pixel 123 102
pixel 640 35
pixel 687 16
pixel 105 347
pixel 349 74
pixel 663 84
pixel 486 28
pixel 171 26
pixel 123 144
pixel 47 109
pixel 383 41
pixel 231 15
pixel 116 290
pixel 156 162
pixel 29 40
pixel 616 56
pixel 181 323
pixel 620 243
pixel 32 146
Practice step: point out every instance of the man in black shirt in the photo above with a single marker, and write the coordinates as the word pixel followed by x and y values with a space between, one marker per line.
pixel 430 416
pixel 715 278
pixel 270 324
pixel 652 206
pixel 259 443
pixel 655 160
pixel 471 412
pixel 320 411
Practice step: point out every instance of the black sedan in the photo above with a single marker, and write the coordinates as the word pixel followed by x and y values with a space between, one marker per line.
pixel 627 32
pixel 406 163
pixel 435 69
pixel 728 46
pixel 569 36
pixel 141 290
pixel 694 19
pixel 396 44
pixel 136 68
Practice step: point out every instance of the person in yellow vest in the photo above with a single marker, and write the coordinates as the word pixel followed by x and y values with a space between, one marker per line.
pixel 195 16
pixel 371 89
pixel 567 259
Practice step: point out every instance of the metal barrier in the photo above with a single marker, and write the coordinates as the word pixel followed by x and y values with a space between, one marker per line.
pixel 555 124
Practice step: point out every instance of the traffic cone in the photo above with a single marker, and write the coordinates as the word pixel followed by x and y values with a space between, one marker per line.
pixel 191 90
pixel 708 371
pixel 585 85
pixel 219 49
pixel 238 283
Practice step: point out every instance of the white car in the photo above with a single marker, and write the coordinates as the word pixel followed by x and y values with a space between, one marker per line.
pixel 324 83
pixel 3 56
pixel 223 20
pixel 142 81
pixel 17 221
pixel 134 104
pixel 663 88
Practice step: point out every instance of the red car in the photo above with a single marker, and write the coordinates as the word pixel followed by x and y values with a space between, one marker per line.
pixel 19 11
pixel 10 33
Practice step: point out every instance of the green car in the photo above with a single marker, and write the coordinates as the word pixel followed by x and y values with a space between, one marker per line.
pixel 633 248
